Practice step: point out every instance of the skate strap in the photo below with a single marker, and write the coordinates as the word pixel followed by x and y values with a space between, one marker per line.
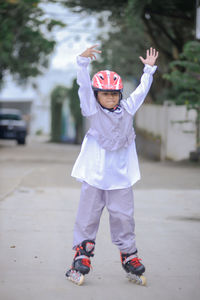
pixel 82 257
pixel 89 247
pixel 129 258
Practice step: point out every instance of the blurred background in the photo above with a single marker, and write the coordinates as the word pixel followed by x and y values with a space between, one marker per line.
pixel 39 42
pixel 41 130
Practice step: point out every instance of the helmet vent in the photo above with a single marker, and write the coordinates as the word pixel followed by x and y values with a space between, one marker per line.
pixel 101 76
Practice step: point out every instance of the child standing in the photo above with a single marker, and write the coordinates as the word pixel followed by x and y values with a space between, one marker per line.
pixel 107 165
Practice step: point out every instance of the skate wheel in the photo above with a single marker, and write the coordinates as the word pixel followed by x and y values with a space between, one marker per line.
pixel 143 280
pixel 75 276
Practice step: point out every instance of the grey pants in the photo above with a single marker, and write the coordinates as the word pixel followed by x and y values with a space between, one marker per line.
pixel 120 206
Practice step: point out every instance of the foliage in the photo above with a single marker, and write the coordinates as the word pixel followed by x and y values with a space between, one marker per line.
pixel 58 95
pixel 185 76
pixel 136 25
pixel 24 48
pixel 74 105
pixel 91 5
pixel 130 41
pixel 169 23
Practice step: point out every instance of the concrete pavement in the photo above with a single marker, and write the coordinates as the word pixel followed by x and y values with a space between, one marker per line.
pixel 37 212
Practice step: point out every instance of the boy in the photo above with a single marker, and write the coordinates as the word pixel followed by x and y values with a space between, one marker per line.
pixel 107 165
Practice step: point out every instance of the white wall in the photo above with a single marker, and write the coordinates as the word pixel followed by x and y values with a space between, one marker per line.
pixel 40 119
pixel 174 124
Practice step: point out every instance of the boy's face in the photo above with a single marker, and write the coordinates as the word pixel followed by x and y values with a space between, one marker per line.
pixel 108 99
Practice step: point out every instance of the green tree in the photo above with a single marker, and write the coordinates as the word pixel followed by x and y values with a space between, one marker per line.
pixel 58 96
pixel 74 105
pixel 168 23
pixel 185 79
pixel 23 46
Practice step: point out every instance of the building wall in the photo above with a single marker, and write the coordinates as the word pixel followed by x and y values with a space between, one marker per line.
pixel 174 125
pixel 40 119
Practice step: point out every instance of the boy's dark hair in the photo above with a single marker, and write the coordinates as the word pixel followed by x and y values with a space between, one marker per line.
pixel 96 93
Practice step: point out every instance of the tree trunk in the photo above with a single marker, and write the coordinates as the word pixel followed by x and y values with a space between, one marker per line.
pixel 56 123
pixel 79 135
pixel 198 130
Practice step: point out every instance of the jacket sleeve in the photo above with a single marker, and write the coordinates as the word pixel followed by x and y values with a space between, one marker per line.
pixel 85 92
pixel 138 96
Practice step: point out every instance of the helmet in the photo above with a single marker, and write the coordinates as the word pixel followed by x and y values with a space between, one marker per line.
pixel 107 80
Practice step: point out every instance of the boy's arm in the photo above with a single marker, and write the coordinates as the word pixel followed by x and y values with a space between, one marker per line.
pixel 138 96
pixel 86 95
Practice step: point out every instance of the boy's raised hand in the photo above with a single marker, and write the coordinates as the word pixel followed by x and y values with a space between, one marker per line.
pixel 90 52
pixel 151 57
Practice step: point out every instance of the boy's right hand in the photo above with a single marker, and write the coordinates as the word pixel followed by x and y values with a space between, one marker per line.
pixel 90 52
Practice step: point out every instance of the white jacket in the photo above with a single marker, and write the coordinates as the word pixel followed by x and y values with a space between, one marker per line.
pixel 108 158
pixel 112 130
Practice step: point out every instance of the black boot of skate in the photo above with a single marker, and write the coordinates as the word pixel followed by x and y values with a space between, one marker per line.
pixel 81 261
pixel 131 263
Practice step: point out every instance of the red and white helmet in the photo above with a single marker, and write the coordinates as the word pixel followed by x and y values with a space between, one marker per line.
pixel 107 80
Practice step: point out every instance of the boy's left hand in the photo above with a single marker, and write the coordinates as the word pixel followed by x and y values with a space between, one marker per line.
pixel 90 52
pixel 151 57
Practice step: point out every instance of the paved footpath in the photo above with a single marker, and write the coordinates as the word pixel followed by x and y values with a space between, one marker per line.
pixel 38 205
